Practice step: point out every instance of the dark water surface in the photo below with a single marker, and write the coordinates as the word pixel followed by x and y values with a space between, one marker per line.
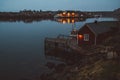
pixel 22 47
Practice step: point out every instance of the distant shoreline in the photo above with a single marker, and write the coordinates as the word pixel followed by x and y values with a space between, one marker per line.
pixel 28 15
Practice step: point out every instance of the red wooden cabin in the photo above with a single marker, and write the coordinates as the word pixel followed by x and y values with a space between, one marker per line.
pixel 95 33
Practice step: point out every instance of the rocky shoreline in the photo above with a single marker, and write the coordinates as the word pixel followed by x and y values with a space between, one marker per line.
pixel 98 66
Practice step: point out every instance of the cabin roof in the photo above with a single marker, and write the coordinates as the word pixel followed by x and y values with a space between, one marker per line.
pixel 102 27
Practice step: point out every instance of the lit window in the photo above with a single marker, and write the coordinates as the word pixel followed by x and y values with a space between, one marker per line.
pixel 73 14
pixel 64 13
pixel 86 37
pixel 60 14
pixel 68 14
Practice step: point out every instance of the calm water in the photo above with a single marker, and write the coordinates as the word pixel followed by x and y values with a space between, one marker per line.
pixel 22 47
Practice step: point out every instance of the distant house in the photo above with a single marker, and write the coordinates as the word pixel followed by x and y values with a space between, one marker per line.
pixel 95 33
pixel 67 14
pixel 70 14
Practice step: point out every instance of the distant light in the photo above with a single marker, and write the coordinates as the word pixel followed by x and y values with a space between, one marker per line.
pixel 68 20
pixel 73 14
pixel 60 14
pixel 73 21
pixel 81 15
pixel 64 13
pixel 63 21
pixel 59 20
pixel 68 14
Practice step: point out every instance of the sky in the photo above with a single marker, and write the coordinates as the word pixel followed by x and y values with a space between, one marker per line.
pixel 82 5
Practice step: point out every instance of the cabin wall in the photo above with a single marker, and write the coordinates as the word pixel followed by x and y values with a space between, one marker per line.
pixel 86 30
pixel 102 37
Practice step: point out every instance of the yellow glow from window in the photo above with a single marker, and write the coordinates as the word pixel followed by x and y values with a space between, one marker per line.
pixel 59 20
pixel 73 21
pixel 73 14
pixel 63 21
pixel 68 20
pixel 68 14
pixel 60 14
pixel 64 13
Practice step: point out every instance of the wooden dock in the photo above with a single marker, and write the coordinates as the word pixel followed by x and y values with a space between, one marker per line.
pixel 52 43
pixel 67 44
pixel 56 40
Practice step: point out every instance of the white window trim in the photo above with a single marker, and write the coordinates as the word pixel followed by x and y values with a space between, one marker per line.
pixel 86 37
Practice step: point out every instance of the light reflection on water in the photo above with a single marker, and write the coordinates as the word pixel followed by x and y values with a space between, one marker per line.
pixel 22 46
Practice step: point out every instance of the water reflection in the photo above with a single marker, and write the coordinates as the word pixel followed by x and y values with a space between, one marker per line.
pixel 61 48
pixel 69 20
pixel 30 20
pixel 30 38
pixel 27 20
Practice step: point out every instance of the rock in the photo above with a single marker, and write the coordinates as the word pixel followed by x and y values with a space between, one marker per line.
pixel 60 67
pixel 111 55
pixel 44 77
pixel 50 65
pixel 25 79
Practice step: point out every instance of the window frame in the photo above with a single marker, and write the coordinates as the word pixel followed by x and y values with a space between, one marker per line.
pixel 86 37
